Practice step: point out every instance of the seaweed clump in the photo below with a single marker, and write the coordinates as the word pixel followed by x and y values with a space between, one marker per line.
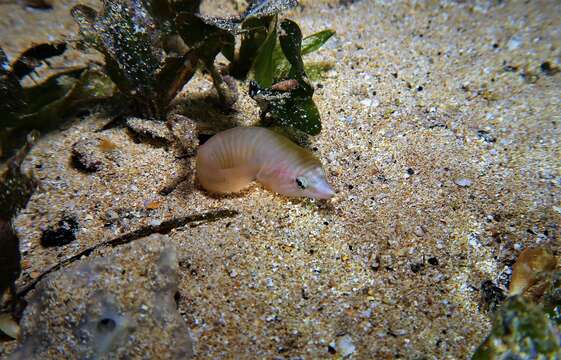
pixel 152 48
pixel 521 330
pixel 45 105
pixel 527 325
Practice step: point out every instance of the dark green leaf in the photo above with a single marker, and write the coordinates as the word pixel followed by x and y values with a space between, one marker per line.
pixel 52 89
pixel 15 187
pixel 203 36
pixel 85 17
pixel 50 102
pixel 294 108
pixel 93 85
pixel 11 93
pixel 263 66
pixel 160 10
pixel 15 190
pixel 290 40
pixel 190 6
pixel 174 73
pixel 194 30
pixel 35 56
pixel 127 35
pixel 315 41
pixel 260 8
pixel 59 96
pixel 299 113
pixel 254 33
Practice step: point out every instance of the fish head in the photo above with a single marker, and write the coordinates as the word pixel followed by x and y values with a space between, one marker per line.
pixel 313 184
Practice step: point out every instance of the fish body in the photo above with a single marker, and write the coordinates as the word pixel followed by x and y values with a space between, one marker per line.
pixel 232 159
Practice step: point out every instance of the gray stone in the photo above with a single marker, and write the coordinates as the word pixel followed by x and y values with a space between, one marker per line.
pixel 119 304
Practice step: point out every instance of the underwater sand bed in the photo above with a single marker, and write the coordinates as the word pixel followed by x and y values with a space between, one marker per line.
pixel 441 136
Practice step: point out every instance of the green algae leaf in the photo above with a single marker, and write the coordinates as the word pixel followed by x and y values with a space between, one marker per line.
pixel 263 66
pixel 521 330
pixel 293 106
pixel 45 105
pixel 194 30
pixel 43 109
pixel 310 44
pixel 315 41
pixel 144 54
pixel 255 31
pixel 317 70
pixel 93 85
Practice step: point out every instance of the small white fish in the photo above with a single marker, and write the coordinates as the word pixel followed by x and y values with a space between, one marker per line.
pixel 232 159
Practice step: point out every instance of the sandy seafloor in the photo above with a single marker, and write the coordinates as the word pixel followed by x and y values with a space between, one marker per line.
pixel 441 134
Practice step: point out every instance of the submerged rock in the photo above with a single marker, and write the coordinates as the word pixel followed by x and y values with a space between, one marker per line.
pixel 63 234
pixel 118 305
pixel 185 131
pixel 150 130
pixel 521 330
pixel 94 154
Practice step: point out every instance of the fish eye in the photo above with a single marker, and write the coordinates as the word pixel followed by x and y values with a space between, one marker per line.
pixel 302 182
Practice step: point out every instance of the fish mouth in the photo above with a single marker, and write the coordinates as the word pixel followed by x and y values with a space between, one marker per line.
pixel 323 192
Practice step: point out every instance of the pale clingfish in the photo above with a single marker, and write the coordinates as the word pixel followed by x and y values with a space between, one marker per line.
pixel 232 159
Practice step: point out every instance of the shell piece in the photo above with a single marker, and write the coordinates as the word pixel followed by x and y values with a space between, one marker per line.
pixel 9 326
pixel 530 264
pixel 232 159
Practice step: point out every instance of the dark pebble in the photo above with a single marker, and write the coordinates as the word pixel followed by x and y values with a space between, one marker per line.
pixel 63 234
pixel 486 136
pixel 85 157
pixel 491 295
pixel 547 69
pixel 510 68
pixel 416 267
